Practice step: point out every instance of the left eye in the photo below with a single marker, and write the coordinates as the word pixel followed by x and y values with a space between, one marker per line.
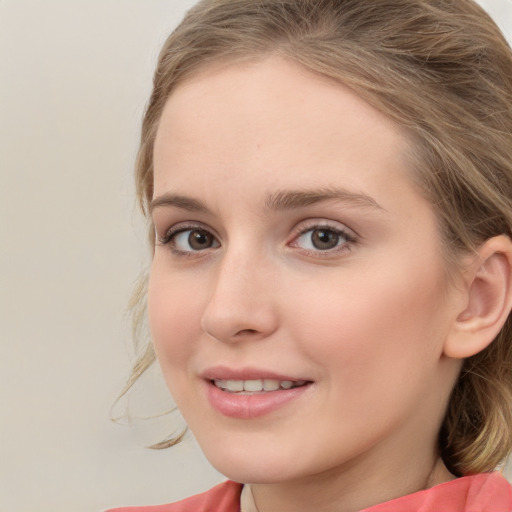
pixel 321 239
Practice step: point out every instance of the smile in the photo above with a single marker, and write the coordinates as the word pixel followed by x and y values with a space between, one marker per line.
pixel 256 385
pixel 252 398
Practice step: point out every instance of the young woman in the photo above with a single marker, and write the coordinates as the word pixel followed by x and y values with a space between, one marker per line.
pixel 329 184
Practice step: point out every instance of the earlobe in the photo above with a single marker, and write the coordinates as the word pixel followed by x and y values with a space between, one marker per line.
pixel 488 300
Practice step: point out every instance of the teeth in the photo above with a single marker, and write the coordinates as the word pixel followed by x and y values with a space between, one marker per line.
pixel 253 385
pixel 234 385
pixel 257 385
pixel 271 385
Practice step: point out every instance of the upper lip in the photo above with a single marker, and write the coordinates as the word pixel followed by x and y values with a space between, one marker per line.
pixel 226 373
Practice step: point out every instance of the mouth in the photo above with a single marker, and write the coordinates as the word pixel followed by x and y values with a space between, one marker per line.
pixel 255 386
pixel 248 392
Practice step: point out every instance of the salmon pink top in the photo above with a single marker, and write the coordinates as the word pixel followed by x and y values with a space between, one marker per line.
pixel 485 492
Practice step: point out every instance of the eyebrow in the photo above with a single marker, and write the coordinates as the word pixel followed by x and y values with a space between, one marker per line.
pixel 290 199
pixel 178 201
pixel 277 201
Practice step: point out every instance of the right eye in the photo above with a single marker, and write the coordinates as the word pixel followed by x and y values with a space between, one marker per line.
pixel 188 240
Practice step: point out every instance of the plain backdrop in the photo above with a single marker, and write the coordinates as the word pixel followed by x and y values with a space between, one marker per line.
pixel 74 79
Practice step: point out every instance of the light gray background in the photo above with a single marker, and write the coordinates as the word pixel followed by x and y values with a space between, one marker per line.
pixel 74 79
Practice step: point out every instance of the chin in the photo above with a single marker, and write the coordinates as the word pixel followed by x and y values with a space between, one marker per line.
pixel 255 467
pixel 248 474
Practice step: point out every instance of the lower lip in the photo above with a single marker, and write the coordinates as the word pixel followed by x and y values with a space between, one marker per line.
pixel 242 406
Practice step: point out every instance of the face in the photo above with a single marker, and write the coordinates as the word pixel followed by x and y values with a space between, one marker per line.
pixel 297 300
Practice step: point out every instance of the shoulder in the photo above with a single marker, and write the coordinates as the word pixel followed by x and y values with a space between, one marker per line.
pixel 485 492
pixel 221 498
pixel 490 492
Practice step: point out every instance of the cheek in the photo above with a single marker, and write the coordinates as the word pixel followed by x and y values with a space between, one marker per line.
pixel 375 324
pixel 174 313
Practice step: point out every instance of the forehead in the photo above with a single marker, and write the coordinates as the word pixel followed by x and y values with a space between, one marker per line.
pixel 272 119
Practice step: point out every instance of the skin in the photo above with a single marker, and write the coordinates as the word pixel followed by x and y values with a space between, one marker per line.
pixel 366 322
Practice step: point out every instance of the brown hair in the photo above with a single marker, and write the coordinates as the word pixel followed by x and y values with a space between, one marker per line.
pixel 443 71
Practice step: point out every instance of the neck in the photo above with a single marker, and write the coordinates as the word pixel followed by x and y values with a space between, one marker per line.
pixel 350 491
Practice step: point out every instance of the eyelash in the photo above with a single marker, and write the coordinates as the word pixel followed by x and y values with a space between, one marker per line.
pixel 350 239
pixel 173 232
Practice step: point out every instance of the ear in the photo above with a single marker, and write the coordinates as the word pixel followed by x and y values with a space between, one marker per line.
pixel 487 299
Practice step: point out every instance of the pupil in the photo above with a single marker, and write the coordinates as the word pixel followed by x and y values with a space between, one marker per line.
pixel 324 239
pixel 199 240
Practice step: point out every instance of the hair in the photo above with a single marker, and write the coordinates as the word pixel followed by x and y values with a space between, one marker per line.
pixel 442 70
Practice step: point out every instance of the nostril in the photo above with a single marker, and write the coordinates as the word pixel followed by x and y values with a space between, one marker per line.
pixel 246 331
pixel 238 320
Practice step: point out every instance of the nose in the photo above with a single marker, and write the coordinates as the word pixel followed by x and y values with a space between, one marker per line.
pixel 241 304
